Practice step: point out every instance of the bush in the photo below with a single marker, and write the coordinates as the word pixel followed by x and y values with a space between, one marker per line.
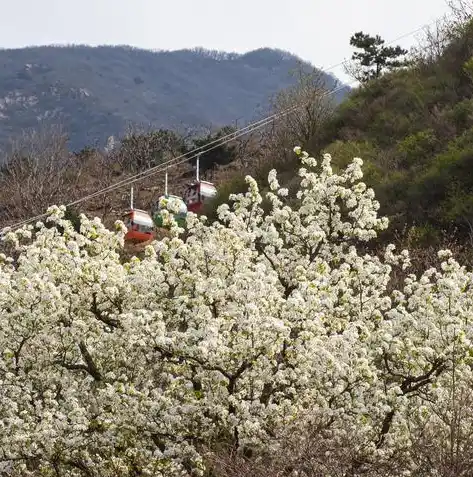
pixel 417 148
pixel 344 151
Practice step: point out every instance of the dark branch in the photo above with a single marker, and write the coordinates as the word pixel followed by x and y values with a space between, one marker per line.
pixel 409 385
pixel 89 366
pixel 288 289
pixel 101 316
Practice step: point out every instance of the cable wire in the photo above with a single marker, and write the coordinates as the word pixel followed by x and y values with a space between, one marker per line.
pixel 194 153
pixel 183 158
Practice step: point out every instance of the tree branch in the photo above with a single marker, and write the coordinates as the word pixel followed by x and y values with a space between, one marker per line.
pixel 100 315
pixel 89 366
pixel 409 385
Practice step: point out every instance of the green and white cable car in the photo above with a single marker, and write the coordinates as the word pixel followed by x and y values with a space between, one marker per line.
pixel 177 204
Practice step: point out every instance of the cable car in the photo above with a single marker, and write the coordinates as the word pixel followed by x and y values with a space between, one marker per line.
pixel 198 192
pixel 139 224
pixel 179 217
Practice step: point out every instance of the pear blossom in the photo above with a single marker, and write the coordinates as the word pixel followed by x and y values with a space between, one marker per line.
pixel 116 367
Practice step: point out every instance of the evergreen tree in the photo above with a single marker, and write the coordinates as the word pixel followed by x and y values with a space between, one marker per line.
pixel 213 155
pixel 375 58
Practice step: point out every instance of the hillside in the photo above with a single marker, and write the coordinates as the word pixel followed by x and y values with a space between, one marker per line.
pixel 413 128
pixel 95 92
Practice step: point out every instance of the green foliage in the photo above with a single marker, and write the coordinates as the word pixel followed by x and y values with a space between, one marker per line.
pixel 416 149
pixel 212 156
pixel 445 189
pixel 343 153
pixel 460 115
pixel 73 216
pixel 468 68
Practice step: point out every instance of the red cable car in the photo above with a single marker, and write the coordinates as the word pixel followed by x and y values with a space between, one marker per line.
pixel 139 224
pixel 198 192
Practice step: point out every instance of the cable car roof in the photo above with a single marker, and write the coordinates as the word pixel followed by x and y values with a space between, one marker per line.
pixel 207 188
pixel 169 196
pixel 141 217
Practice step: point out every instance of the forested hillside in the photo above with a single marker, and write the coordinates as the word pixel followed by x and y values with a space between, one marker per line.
pixel 413 128
pixel 96 92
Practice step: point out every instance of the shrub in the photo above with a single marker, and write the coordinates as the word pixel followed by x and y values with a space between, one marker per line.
pixel 417 148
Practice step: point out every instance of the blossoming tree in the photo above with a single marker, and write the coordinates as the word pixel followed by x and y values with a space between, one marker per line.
pixel 245 326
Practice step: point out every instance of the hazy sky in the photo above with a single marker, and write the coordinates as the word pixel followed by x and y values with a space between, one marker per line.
pixel 316 30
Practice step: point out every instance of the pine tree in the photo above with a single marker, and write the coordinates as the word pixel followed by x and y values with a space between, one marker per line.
pixel 375 58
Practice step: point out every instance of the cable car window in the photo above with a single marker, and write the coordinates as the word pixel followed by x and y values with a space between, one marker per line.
pixel 145 229
pixel 192 194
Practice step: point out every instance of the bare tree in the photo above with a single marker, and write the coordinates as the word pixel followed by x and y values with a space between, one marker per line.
pixel 462 10
pixel 435 39
pixel 310 103
pixel 38 171
pixel 144 147
pixel 102 172
pixel 432 43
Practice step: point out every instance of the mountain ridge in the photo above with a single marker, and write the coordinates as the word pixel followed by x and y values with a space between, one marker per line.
pixel 96 91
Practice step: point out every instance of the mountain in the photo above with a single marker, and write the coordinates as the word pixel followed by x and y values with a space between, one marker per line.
pixel 95 92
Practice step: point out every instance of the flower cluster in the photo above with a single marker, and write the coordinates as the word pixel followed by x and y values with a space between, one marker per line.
pixel 248 324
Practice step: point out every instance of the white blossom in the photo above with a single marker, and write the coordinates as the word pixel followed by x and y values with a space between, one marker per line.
pixel 111 366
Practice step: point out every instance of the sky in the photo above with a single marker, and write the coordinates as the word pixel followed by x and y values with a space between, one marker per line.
pixel 316 30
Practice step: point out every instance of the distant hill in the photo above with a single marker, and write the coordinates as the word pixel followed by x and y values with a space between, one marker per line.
pixel 95 92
